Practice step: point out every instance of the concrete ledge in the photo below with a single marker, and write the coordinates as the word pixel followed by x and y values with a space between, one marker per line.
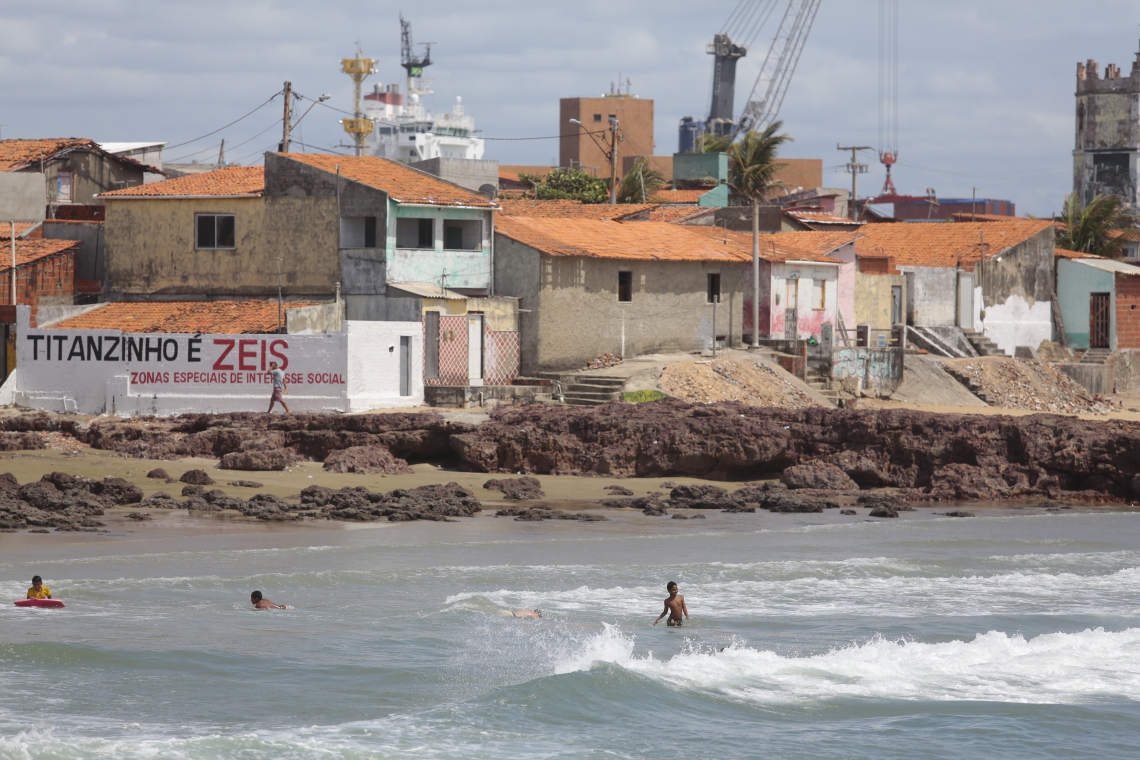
pixel 486 396
pixel 1097 379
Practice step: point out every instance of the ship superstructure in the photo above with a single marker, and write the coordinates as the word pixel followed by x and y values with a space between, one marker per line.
pixel 405 130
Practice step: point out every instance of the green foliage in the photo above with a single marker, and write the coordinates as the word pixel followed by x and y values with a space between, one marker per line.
pixel 1088 230
pixel 641 184
pixel 568 184
pixel 640 397
pixel 714 143
pixel 752 163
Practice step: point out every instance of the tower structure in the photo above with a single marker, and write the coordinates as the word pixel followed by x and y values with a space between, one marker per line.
pixel 1106 154
pixel 358 127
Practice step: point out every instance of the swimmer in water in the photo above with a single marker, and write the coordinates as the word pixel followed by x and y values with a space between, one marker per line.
pixel 534 614
pixel 674 606
pixel 38 589
pixel 261 603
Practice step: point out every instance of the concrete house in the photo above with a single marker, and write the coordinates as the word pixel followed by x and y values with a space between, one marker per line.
pixel 991 279
pixel 361 222
pixel 76 170
pixel 589 287
pixel 1099 300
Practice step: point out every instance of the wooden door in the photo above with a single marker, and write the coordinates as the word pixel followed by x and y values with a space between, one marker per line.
pixel 1099 320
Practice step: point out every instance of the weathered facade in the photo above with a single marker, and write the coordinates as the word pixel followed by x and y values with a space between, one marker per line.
pixel 76 170
pixel 589 287
pixel 319 221
pixel 1106 154
pixel 1100 303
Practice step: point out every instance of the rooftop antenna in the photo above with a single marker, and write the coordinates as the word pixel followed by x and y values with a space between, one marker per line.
pixel 359 69
pixel 888 89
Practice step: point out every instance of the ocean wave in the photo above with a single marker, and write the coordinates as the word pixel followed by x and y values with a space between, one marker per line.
pixel 1054 668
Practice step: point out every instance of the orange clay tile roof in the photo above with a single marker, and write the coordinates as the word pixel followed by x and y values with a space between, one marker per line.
pixel 786 246
pixel 605 239
pixel 402 183
pixel 676 214
pixel 17 154
pixel 218 317
pixel 30 251
pixel 966 216
pixel 229 182
pixel 22 228
pixel 565 209
pixel 945 244
pixel 680 196
pixel 1063 253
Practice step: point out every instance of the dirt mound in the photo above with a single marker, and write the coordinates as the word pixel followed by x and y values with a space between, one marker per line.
pixel 1025 384
pixel 747 381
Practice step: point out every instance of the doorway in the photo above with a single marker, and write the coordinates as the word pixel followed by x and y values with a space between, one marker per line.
pixel 475 349
pixel 1099 320
pixel 791 310
pixel 405 365
pixel 965 301
pixel 896 305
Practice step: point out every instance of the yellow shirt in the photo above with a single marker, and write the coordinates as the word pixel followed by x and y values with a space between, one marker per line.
pixel 43 593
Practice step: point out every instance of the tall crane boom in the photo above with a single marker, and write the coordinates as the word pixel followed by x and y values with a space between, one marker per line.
pixel 779 66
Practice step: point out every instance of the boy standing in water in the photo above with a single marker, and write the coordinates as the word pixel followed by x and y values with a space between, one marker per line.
pixel 674 606
pixel 280 388
pixel 261 603
pixel 38 589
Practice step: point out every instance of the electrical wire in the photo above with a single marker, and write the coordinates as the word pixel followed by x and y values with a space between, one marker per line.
pixel 219 129
pixel 232 147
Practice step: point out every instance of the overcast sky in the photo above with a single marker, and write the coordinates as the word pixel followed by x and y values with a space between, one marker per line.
pixel 986 87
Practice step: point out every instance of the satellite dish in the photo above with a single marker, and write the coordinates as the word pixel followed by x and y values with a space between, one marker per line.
pixel 489 190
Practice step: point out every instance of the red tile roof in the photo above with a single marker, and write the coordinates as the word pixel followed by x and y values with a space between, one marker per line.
pixel 680 196
pixel 945 244
pixel 17 154
pixel 599 238
pixel 966 216
pixel 29 251
pixel 400 182
pixel 821 218
pixel 786 246
pixel 22 229
pixel 233 181
pixel 676 214
pixel 565 209
pixel 217 317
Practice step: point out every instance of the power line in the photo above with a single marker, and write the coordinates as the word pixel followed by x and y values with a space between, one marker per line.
pixel 219 129
pixel 232 147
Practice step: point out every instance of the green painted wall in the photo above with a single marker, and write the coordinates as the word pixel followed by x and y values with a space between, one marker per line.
pixel 451 269
pixel 715 198
pixel 1075 283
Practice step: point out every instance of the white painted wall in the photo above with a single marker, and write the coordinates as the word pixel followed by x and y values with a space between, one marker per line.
pixel 374 364
pixel 1016 323
pixel 182 373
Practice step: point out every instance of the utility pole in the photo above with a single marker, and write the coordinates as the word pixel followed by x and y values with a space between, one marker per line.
pixel 973 203
pixel 854 168
pixel 613 159
pixel 755 272
pixel 287 121
pixel 222 154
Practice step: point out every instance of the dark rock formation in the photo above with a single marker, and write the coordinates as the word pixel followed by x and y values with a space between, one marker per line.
pixel 618 491
pixel 158 474
pixel 959 513
pixel 821 476
pixel 538 514
pixel 700 497
pixel 196 478
pixel 274 459
pixel 883 511
pixel 848 512
pixel 193 490
pixel 8 482
pixel 370 460
pixel 434 502
pixel 140 516
pixel 516 489
pixel 246 484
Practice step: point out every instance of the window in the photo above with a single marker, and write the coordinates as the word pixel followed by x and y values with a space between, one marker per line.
pixel 415 233
pixel 597 117
pixel 215 231
pixel 63 186
pixel 358 232
pixel 714 287
pixel 625 287
pixel 819 294
pixel 462 234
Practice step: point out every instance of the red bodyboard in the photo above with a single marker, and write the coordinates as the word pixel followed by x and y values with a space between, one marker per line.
pixel 38 603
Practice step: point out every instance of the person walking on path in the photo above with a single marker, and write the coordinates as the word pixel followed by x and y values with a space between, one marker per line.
pixel 280 388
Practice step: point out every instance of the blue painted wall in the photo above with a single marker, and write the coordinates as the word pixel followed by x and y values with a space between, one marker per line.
pixel 1076 282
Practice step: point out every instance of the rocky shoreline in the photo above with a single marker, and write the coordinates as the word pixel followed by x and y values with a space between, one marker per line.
pixel 924 456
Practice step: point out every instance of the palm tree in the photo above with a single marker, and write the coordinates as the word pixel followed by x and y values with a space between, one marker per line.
pixel 752 170
pixel 1089 230
pixel 641 184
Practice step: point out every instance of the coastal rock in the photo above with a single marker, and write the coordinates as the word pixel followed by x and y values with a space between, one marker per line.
pixel 198 504
pixel 431 502
pixel 21 442
pixel 160 500
pixel 139 516
pixel 246 484
pixel 538 514
pixel 892 499
pixel 618 491
pixel 254 460
pixel 516 489
pixel 849 512
pixel 222 500
pixel 959 513
pixel 158 474
pixel 268 507
pixel 700 497
pixel 117 490
pixel 196 478
pixel 193 490
pixel 882 511
pixel 8 482
pixel 372 460
pixel 655 510
pixel 821 476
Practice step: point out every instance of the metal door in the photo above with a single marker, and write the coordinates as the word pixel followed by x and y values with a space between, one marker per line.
pixel 475 348
pixel 1099 320
pixel 896 304
pixel 965 301
pixel 405 365
pixel 791 310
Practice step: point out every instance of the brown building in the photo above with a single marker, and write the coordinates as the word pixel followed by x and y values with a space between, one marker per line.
pixel 75 170
pixel 577 147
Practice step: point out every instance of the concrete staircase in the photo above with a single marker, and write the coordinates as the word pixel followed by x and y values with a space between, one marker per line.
pixel 969 382
pixel 929 340
pixel 1096 356
pixel 585 389
pixel 983 345
pixel 821 385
